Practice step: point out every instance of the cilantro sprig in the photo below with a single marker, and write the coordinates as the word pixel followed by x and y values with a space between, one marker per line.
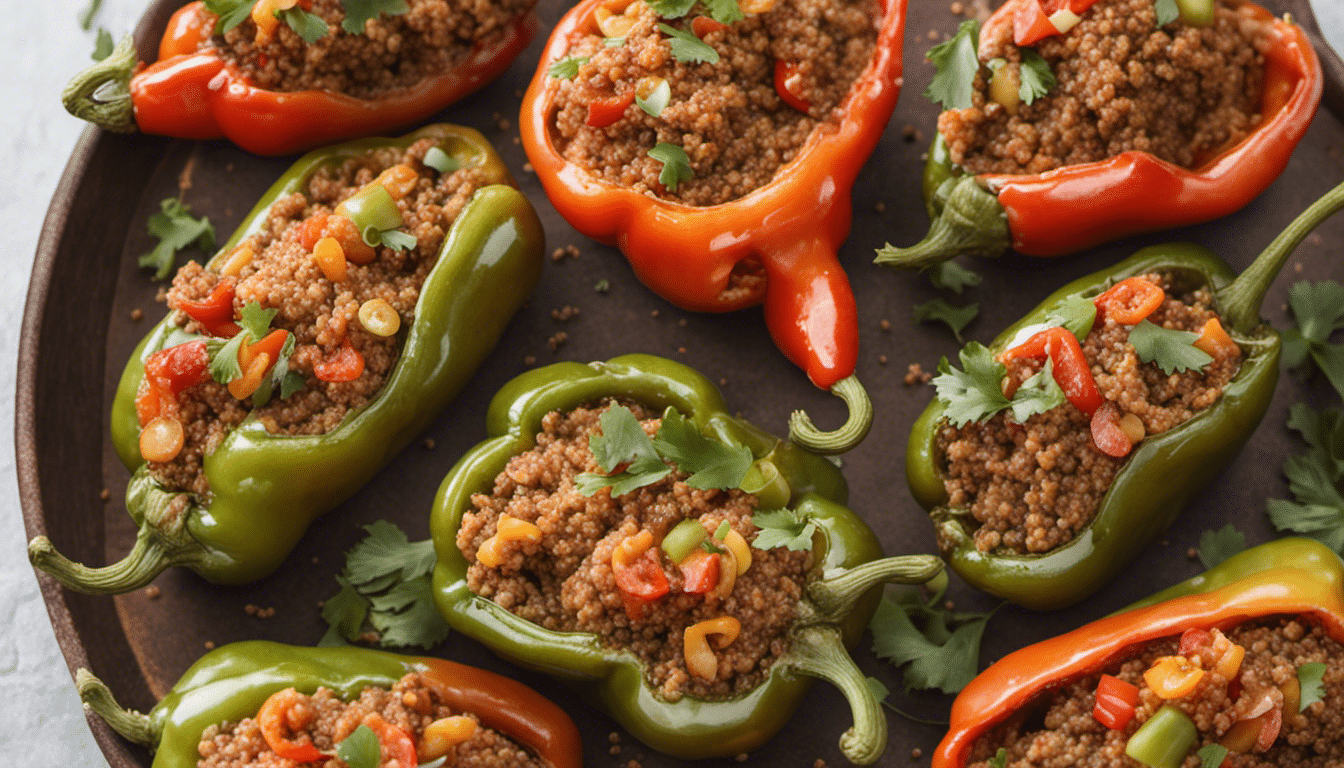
pixel 309 26
pixel 957 65
pixel 940 311
pixel 687 48
pixel 567 68
pixel 676 165
pixel 1170 349
pixel 357 12
pixel 1217 546
pixel 360 749
pixel 176 230
pixel 975 393
pixel 1037 79
pixel 1318 309
pixel 722 11
pixel 223 355
pixel 1211 755
pixel 951 276
pixel 623 442
pixel 783 528
pixel 938 648
pixel 1311 682
pixel 1315 478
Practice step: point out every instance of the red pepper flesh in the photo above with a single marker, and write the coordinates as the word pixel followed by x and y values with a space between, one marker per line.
pixel 345 365
pixel 1115 702
pixel 215 311
pixel 786 85
pixel 604 112
pixel 167 373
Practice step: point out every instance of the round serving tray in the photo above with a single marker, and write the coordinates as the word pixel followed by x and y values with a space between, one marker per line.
pixel 85 280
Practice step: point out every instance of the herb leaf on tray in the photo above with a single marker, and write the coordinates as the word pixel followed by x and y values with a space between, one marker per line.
pixel 1217 546
pixel 1318 309
pixel 385 594
pixel 951 276
pixel 957 66
pixel 176 229
pixel 1170 349
pixel 938 648
pixel 1314 478
pixel 940 311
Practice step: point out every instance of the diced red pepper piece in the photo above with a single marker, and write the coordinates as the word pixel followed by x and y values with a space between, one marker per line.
pixel 641 578
pixel 604 112
pixel 271 344
pixel 788 85
pixel 273 722
pixel 1271 724
pixel 1115 702
pixel 396 743
pixel 1107 434
pixel 703 25
pixel 1193 641
pixel 1031 23
pixel 700 572
pixel 346 365
pixel 215 311
pixel 1071 369
pixel 1129 301
pixel 167 373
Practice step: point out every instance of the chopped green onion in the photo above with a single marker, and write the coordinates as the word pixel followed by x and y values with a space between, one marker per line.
pixel 373 209
pixel 768 484
pixel 440 161
pixel 1164 740
pixel 722 531
pixel 683 539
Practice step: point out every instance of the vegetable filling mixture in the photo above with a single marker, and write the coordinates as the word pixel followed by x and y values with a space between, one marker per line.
pixel 702 103
pixel 404 727
pixel 300 321
pixel 1034 438
pixel 654 559
pixel 1263 695
pixel 360 48
pixel 1124 78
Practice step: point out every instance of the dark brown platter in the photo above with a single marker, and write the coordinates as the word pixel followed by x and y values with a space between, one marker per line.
pixel 85 280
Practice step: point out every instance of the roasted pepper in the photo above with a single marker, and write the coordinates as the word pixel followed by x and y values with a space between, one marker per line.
pixel 841 595
pixel 233 682
pixel 1289 576
pixel 1165 471
pixel 794 225
pixel 1075 207
pixel 489 262
pixel 194 93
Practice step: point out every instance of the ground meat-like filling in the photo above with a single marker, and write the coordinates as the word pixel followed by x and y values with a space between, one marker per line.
pixel 321 314
pixel 393 52
pixel 1032 487
pixel 324 719
pixel 1179 92
pixel 566 581
pixel 1059 730
pixel 734 126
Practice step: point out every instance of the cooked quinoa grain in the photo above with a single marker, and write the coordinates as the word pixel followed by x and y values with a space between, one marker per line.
pixel 566 583
pixel 1181 93
pixel 735 128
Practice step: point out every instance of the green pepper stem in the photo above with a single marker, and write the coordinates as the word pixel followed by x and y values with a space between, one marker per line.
pixel 817 650
pixel 134 726
pixel 835 596
pixel 972 223
pixel 150 556
pixel 101 94
pixel 803 432
pixel 1242 298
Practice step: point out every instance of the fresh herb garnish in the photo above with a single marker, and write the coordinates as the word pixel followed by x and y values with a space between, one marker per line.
pixel 940 649
pixel 359 11
pixel 360 749
pixel 1311 683
pixel 1038 394
pixel 1167 11
pixel 676 165
pixel 657 100
pixel 103 45
pixel 385 587
pixel 308 26
pixel 1035 76
pixel 724 11
pixel 956 63
pixel 1211 755
pixel 1217 546
pixel 1171 350
pixel 176 229
pixel 224 366
pixel 951 276
pixel 440 161
pixel 623 441
pixel 710 463
pixel 880 692
pixel 1318 309
pixel 976 392
pixel 672 9
pixel 1075 314
pixel 687 48
pixel 567 67
pixel 938 310
pixel 1314 478
pixel 256 320
pixel 398 240
pixel 602 286
pixel 231 13
pixel 783 528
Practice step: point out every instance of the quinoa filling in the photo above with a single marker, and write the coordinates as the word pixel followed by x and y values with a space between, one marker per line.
pixel 1179 92
pixel 1242 690
pixel 1033 486
pixel 342 314
pixel 702 118
pixel 411 709
pixel 570 573
pixel 390 52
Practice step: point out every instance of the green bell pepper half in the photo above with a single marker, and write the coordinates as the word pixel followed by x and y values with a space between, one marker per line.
pixel 490 260
pixel 843 586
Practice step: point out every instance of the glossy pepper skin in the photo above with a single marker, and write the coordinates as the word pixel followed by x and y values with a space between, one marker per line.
pixel 489 262
pixel 841 594
pixel 232 682
pixel 1290 576
pixel 1164 471
pixel 193 94
pixel 795 224
pixel 1076 207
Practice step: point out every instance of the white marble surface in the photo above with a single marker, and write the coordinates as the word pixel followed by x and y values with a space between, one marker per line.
pixel 41 45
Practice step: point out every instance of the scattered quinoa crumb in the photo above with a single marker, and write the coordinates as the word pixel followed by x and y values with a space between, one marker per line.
pixel 682 350
pixel 557 254
pixel 881 359
pixel 885 324
pixel 316 560
pixel 137 315
pixel 723 382
pixel 527 168
pixel 915 374
pixel 517 140
pixel 614 749
pixel 956 8
pixel 209 645
pixel 530 360
pixel 742 758
pixel 933 34
pixel 429 443
pixel 105 494
pixel 819 763
pixel 1192 553
pixel 681 323
pixel 916 753
pixel 557 341
pixel 261 613
pixel 614 737
pixel 564 314
pixel 654 313
pixel 152 592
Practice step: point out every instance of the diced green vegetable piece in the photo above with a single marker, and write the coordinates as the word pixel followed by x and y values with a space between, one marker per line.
pixel 373 209
pixel 683 539
pixel 771 489
pixel 1164 740
pixel 1196 13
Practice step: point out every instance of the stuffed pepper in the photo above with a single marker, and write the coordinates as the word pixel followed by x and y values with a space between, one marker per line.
pixel 259 703
pixel 716 145
pixel 347 310
pixel 686 571
pixel 1070 124
pixel 1240 667
pixel 1052 457
pixel 282 76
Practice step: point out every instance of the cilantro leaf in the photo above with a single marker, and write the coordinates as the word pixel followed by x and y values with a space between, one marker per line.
pixel 937 657
pixel 1167 11
pixel 309 26
pixel 973 394
pixel 1318 309
pixel 656 101
pixel 688 49
pixel 102 47
pixel 676 165
pixel 567 67
pixel 710 463
pixel 176 229
pixel 672 9
pixel 1000 758
pixel 288 381
pixel 641 472
pixel 938 310
pixel 360 749
pixel 359 11
pixel 387 551
pixel 1036 77
pixel 1311 681
pixel 398 240
pixel 1217 546
pixel 1038 394
pixel 621 441
pixel 231 13
pixel 440 161
pixel 1172 350
pixel 224 365
pixel 1211 755
pixel 385 586
pixel 418 624
pixel 957 65
pixel 782 528
pixel 1314 479
pixel 1075 313
pixel 256 320
pixel 344 614
pixel 951 276
pixel 724 11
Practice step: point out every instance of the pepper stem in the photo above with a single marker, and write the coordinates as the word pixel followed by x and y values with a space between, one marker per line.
pixel 1242 298
pixel 101 94
pixel 817 650
pixel 835 596
pixel 134 726
pixel 972 223
pixel 803 432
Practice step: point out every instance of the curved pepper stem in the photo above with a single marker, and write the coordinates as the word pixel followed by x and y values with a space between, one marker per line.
pixel 1241 299
pixel 817 650
pixel 972 223
pixel 101 94
pixel 134 726
pixel 834 597
pixel 804 433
